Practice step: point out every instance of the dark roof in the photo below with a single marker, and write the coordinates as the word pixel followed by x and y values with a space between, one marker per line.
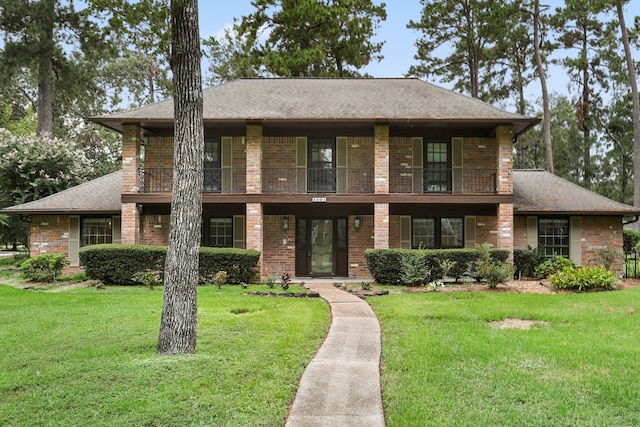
pixel 389 100
pixel 540 192
pixel 100 196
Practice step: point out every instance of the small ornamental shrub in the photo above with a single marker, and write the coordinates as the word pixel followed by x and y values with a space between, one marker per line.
pixel 606 257
pixel 149 278
pixel 220 278
pixel 414 269
pixel 584 279
pixel 630 239
pixel 552 265
pixel 44 268
pixel 491 271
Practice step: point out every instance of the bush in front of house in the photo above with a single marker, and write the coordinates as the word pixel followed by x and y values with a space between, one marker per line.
pixel 584 279
pixel 527 260
pixel 44 268
pixel 388 266
pixel 552 266
pixel 118 264
pixel 630 240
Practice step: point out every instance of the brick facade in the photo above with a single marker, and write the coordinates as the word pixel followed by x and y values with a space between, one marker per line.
pixel 599 232
pixel 49 234
pixel 154 230
pixel 278 247
pixel 486 230
pixel 359 241
pixel 381 159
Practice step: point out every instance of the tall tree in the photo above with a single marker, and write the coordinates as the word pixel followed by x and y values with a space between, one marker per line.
pixel 470 30
pixel 178 325
pixel 35 36
pixel 305 38
pixel 633 83
pixel 579 28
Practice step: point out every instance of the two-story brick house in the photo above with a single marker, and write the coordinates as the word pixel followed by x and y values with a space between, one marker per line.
pixel 311 172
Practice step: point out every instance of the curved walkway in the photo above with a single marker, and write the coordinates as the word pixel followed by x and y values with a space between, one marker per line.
pixel 341 385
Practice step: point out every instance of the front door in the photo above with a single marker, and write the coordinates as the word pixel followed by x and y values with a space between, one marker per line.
pixel 321 247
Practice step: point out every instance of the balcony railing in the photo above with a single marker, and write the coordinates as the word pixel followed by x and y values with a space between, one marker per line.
pixel 333 180
pixel 445 180
pixel 216 180
pixel 311 180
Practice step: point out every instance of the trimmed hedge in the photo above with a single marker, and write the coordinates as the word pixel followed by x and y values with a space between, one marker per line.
pixel 116 264
pixel 385 265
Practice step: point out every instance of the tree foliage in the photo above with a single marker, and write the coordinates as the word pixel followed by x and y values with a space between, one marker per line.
pixel 305 38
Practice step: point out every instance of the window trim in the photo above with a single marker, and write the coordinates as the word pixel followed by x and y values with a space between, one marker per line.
pixel 102 237
pixel 566 236
pixel 437 237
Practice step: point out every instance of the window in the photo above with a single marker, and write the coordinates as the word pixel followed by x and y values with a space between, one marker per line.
pixel 553 237
pixel 212 171
pixel 96 231
pixel 437 233
pixel 221 232
pixel 322 168
pixel 437 177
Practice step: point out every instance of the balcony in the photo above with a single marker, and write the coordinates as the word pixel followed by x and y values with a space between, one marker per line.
pixel 216 180
pixel 322 180
pixel 333 180
pixel 443 181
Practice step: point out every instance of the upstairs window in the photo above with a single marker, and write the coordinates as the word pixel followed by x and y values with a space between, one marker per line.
pixel 322 166
pixel 212 170
pixel 437 167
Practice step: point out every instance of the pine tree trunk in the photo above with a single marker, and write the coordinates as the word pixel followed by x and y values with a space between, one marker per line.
pixel 178 326
pixel 45 68
pixel 636 106
pixel 546 115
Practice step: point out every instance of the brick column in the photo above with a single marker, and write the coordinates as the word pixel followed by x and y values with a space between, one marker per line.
pixel 130 229
pixel 381 226
pixel 381 162
pixel 254 231
pixel 504 139
pixel 254 159
pixel 505 227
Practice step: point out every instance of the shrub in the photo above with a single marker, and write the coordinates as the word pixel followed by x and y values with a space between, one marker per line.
pixel 552 265
pixel 526 260
pixel 149 278
pixel 490 270
pixel 630 239
pixel 386 265
pixel 606 257
pixel 583 279
pixel 414 269
pixel 44 268
pixel 117 264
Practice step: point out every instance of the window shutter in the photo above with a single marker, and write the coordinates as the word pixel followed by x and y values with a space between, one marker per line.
pixel 74 240
pixel 116 238
pixel 405 232
pixel 456 165
pixel 469 232
pixel 227 163
pixel 301 164
pixel 341 164
pixel 532 232
pixel 417 165
pixel 238 231
pixel 575 240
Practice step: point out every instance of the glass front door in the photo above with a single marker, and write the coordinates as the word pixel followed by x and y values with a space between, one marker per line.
pixel 321 246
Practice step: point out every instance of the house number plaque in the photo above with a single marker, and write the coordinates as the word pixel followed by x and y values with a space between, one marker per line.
pixel 319 200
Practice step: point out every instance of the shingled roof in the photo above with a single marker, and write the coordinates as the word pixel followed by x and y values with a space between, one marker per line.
pixel 389 99
pixel 538 192
pixel 99 196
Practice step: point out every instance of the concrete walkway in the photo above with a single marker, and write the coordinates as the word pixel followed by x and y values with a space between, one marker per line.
pixel 341 385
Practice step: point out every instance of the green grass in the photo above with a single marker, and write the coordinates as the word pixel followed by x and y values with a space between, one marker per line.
pixel 443 364
pixel 87 357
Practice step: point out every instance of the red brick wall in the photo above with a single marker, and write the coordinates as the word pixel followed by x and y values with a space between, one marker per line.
pixel 254 148
pixel 279 245
pixel 505 227
pixel 130 158
pixel 279 161
pixel 486 230
pixel 359 241
pixel 49 234
pixel 381 159
pixel 158 152
pixel 381 226
pixel 504 136
pixel 601 232
pixel 155 230
pixel 360 157
pixel 520 232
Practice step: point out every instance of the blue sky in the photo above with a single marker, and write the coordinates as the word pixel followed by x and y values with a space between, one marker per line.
pixel 399 47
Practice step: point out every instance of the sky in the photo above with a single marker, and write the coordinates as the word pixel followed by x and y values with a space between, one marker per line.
pixel 399 47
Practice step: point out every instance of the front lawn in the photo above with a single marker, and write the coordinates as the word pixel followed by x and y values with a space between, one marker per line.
pixel 445 364
pixel 87 357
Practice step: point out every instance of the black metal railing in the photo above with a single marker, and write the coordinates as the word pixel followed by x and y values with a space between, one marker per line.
pixel 444 180
pixel 317 180
pixel 216 180
pixel 631 267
